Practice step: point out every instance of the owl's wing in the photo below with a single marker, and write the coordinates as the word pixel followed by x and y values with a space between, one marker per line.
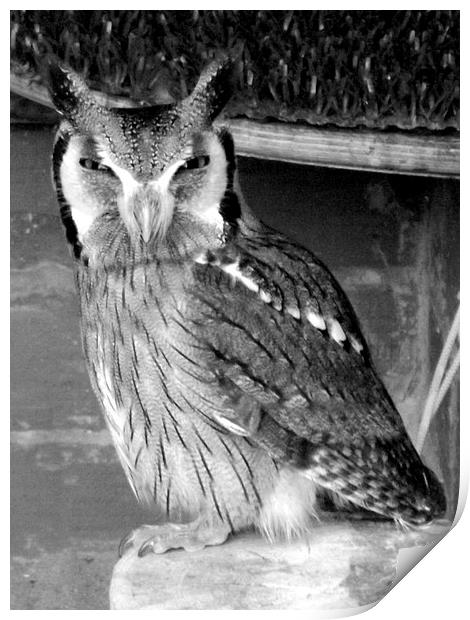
pixel 289 370
pixel 280 336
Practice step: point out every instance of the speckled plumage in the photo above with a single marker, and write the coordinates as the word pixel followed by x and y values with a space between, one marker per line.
pixel 228 362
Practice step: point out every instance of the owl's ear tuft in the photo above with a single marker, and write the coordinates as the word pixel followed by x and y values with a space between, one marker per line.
pixel 214 88
pixel 68 91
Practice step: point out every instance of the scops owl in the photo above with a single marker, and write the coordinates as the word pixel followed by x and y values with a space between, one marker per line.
pixel 228 362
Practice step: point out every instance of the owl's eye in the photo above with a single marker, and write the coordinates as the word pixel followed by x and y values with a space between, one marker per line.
pixel 195 163
pixel 91 164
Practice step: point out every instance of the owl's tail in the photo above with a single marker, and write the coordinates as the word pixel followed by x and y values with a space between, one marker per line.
pixel 382 476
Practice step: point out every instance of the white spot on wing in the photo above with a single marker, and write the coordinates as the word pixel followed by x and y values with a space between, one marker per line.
pixel 233 269
pixel 293 311
pixel 316 319
pixel 265 296
pixel 336 331
pixel 356 345
pixel 231 426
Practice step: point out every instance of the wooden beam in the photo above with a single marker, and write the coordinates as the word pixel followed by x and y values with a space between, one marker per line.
pixel 355 149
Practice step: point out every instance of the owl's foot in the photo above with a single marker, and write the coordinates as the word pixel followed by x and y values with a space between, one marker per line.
pixel 192 536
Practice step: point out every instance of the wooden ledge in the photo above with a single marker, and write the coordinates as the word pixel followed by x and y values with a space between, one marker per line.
pixel 344 565
pixel 355 149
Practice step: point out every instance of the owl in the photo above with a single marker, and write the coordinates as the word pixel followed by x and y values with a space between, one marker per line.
pixel 228 362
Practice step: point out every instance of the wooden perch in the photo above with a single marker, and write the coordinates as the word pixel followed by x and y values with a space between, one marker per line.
pixel 355 149
pixel 343 565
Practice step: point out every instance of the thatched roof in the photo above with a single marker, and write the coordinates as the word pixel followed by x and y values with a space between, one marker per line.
pixel 377 69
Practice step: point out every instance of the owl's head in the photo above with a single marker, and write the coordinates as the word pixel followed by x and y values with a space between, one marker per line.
pixel 148 177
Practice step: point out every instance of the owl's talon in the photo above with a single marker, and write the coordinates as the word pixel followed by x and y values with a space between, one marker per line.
pixel 146 548
pixel 161 538
pixel 126 543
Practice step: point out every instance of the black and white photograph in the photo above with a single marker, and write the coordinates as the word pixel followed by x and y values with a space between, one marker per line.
pixel 235 306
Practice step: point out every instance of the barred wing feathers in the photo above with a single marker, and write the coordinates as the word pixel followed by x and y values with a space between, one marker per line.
pixel 293 374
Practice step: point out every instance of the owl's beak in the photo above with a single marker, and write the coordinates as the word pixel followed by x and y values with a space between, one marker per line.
pixel 146 225
pixel 147 213
pixel 147 222
pixel 146 208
